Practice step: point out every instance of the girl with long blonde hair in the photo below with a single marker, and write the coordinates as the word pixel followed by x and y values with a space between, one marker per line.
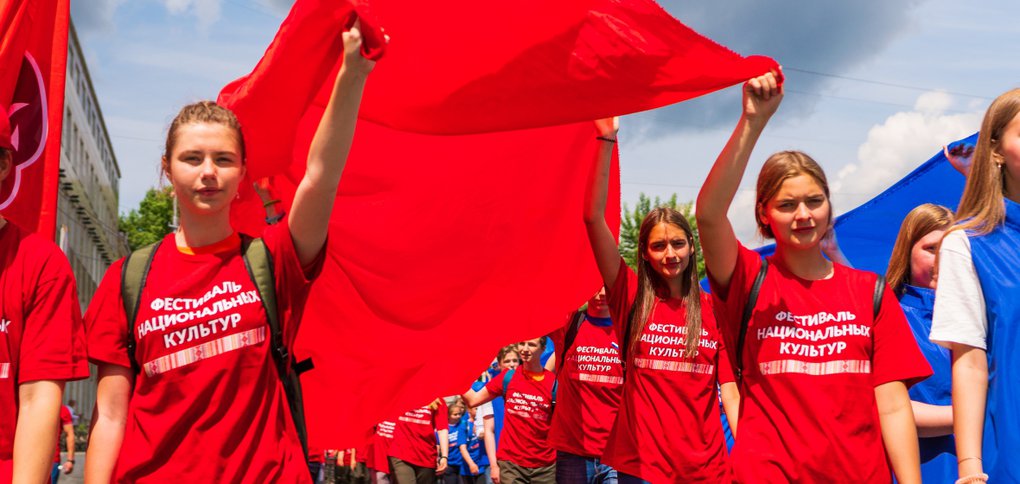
pixel 976 305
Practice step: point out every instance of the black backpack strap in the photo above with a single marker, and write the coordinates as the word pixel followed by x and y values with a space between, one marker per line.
pixel 133 274
pixel 879 292
pixel 625 344
pixel 259 263
pixel 745 318
pixel 568 339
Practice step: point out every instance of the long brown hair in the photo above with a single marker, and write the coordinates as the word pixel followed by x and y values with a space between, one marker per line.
pixel 650 283
pixel 922 220
pixel 777 169
pixel 981 207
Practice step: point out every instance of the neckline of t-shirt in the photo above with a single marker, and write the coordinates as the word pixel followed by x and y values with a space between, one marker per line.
pixel 533 376
pixel 837 268
pixel 597 321
pixel 231 243
pixel 917 297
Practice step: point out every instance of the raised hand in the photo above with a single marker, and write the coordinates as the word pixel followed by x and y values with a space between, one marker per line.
pixel 762 96
pixel 354 61
pixel 608 127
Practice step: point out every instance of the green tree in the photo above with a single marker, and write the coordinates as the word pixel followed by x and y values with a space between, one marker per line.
pixel 151 220
pixel 630 225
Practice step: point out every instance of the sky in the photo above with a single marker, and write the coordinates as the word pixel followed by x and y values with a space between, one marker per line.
pixel 873 88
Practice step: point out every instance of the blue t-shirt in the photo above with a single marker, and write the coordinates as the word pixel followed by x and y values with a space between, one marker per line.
pixel 475 448
pixel 938 454
pixel 456 433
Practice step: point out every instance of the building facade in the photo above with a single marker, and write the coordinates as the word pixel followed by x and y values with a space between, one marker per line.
pixel 87 203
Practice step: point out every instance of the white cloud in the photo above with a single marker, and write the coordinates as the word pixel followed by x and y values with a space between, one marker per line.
pixel 206 11
pixel 94 15
pixel 897 146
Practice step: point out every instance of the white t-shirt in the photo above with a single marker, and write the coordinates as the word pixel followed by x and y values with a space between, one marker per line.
pixel 959 315
pixel 484 411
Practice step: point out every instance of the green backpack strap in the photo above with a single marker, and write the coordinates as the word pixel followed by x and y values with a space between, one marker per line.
pixel 259 262
pixel 132 280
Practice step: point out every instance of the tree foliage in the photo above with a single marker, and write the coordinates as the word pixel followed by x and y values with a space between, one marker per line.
pixel 151 221
pixel 630 225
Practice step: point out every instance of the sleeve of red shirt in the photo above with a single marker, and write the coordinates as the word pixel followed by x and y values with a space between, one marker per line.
pixel 730 300
pixel 495 385
pixel 724 365
pixel 896 355
pixel 292 279
pixel 621 298
pixel 106 323
pixel 442 416
pixel 53 341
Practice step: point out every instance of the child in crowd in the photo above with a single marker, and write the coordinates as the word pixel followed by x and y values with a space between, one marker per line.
pixel 976 304
pixel 911 276
pixel 42 340
pixel 668 428
pixel 590 377
pixel 188 388
pixel 413 455
pixel 524 454
pixel 826 356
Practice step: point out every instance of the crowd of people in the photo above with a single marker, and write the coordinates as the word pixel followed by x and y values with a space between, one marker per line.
pixel 824 373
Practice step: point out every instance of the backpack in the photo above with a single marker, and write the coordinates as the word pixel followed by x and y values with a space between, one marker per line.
pixel 259 263
pixel 752 300
pixel 509 375
pixel 568 339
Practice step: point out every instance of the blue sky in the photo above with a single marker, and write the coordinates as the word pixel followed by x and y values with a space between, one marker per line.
pixel 873 87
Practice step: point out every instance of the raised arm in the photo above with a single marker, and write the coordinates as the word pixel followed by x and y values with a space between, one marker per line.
pixel 314 197
pixel 474 398
pixel 109 419
pixel 35 436
pixel 603 244
pixel 762 96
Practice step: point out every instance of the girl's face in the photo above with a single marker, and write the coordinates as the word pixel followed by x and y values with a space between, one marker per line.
pixel 1009 150
pixel 799 213
pixel 668 251
pixel 509 361
pixel 456 413
pixel 205 167
pixel 922 259
pixel 598 304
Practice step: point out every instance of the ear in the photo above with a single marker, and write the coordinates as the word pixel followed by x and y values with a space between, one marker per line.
pixel 760 209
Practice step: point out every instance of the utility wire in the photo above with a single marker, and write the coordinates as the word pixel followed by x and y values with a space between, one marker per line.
pixel 883 83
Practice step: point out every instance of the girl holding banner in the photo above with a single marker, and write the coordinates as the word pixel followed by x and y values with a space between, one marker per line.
pixel 824 354
pixel 202 399
pixel 668 427
pixel 976 305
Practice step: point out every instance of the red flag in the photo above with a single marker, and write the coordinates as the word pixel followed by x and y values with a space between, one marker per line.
pixel 33 63
pixel 444 248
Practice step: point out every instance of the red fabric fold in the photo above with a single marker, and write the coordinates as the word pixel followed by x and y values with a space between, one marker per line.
pixel 458 225
pixel 33 56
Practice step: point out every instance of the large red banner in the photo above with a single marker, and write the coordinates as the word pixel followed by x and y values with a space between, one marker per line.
pixel 33 62
pixel 458 224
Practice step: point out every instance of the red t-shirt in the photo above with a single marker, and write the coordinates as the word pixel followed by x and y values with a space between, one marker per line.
pixel 668 428
pixel 526 419
pixel 41 332
pixel 65 419
pixel 590 386
pixel 379 447
pixel 414 436
pixel 812 356
pixel 208 404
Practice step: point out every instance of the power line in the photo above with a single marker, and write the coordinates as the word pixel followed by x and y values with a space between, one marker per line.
pixel 883 83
